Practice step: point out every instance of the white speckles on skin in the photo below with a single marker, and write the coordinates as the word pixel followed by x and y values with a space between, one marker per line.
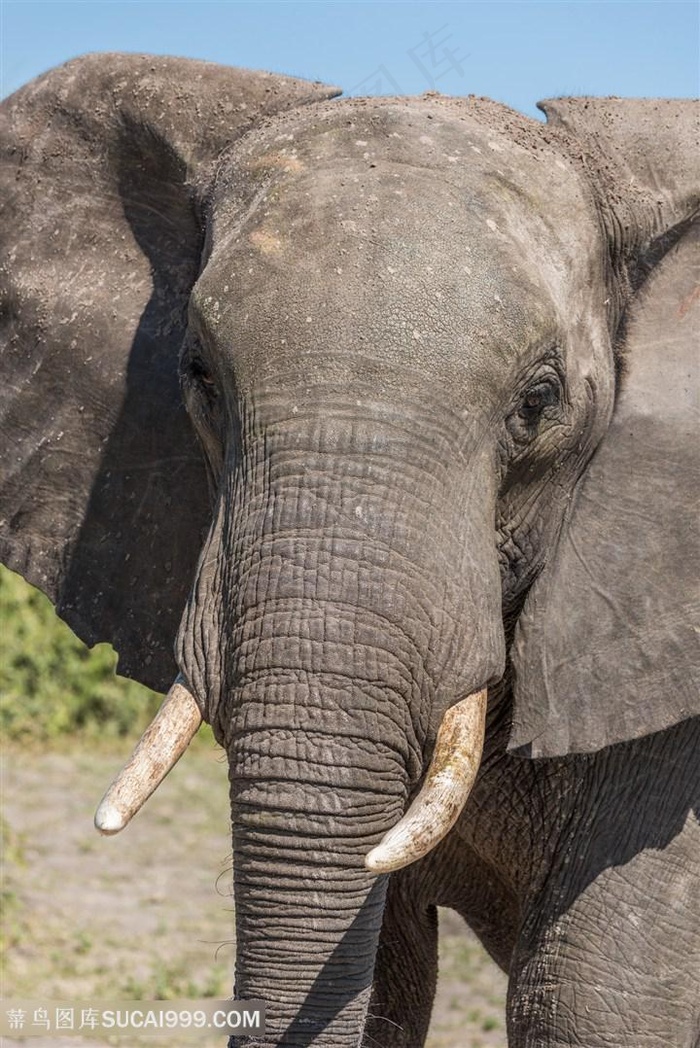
pixel 426 140
pixel 212 309
pixel 309 320
pixel 360 142
pixel 476 149
pixel 358 512
pixel 452 159
pixel 390 269
pixel 295 410
pixel 497 298
pixel 492 225
pixel 417 335
pixel 495 146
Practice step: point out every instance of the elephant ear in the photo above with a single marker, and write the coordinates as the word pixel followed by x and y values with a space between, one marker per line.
pixel 606 648
pixel 103 491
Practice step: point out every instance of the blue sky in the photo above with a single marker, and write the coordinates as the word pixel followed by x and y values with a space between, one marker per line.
pixel 514 52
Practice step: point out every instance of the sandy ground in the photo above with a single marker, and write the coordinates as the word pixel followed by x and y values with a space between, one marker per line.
pixel 148 915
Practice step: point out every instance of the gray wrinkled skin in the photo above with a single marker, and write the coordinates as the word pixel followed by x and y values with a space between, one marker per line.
pixel 438 358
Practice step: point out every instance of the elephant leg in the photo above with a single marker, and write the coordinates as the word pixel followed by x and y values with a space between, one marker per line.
pixel 405 974
pixel 616 963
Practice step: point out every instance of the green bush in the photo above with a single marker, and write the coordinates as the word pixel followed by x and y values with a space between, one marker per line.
pixel 51 684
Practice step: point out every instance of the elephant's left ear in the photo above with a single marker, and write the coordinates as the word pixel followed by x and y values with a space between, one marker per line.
pixel 607 646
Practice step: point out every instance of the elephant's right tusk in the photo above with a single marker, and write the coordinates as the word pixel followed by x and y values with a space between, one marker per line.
pixel 159 749
pixel 444 793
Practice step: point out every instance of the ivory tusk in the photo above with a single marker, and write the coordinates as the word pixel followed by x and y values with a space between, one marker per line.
pixel 448 783
pixel 159 749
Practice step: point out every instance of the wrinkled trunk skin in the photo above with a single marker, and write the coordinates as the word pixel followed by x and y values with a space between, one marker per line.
pixel 308 915
pixel 338 605
pixel 312 790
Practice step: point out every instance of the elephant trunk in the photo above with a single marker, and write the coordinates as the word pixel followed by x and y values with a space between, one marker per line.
pixel 347 618
pixel 307 806
pixel 323 746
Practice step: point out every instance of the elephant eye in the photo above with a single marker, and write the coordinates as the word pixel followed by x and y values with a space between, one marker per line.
pixel 540 401
pixel 201 374
pixel 537 399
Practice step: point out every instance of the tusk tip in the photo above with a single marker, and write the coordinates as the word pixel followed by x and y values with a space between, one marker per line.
pixel 109 819
pixel 371 862
pixel 381 860
pixel 372 866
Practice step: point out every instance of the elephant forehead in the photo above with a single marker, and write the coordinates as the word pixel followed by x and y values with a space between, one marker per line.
pixel 467 139
pixel 414 170
pixel 414 227
pixel 417 275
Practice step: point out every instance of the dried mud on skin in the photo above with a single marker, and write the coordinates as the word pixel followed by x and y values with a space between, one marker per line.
pixel 148 914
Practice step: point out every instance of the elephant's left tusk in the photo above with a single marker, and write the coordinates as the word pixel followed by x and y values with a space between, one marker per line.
pixel 159 749
pixel 444 793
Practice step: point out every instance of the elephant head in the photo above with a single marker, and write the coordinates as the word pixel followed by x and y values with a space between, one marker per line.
pixel 436 356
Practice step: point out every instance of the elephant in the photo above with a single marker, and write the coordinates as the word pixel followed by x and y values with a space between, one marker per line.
pixel 369 424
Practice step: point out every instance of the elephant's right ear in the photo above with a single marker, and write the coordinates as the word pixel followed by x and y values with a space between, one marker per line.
pixel 103 492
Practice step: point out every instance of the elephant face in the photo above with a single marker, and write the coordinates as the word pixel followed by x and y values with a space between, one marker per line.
pixel 393 323
pixel 437 347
